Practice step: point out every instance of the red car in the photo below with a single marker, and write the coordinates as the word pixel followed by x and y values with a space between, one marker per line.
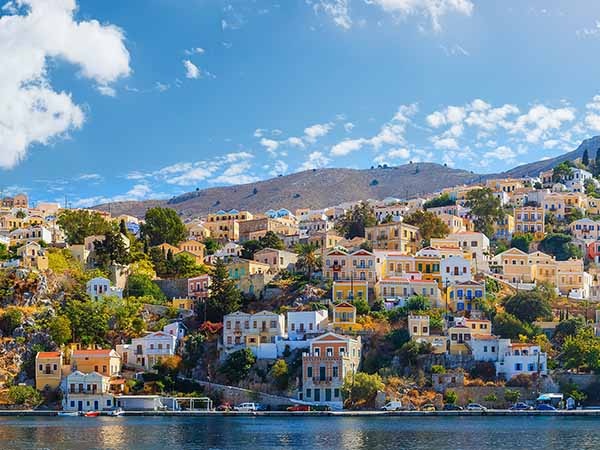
pixel 299 408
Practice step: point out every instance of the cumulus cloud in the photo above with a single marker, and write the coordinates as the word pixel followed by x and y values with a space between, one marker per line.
pixel 316 131
pixel 338 10
pixel 32 34
pixel 191 70
pixel 434 10
pixel 315 160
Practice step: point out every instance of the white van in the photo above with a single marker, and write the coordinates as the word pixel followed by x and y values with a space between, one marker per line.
pixel 392 406
pixel 247 407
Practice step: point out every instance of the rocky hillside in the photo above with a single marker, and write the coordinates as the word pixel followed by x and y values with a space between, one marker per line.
pixel 312 188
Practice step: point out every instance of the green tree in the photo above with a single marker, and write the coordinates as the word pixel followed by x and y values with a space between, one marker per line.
pixel 89 319
pixel 597 163
pixel 354 222
pixel 112 249
pixel 4 253
pixel 486 209
pixel 560 246
pixel 139 285
pixel 280 374
pixel 450 397
pixel 308 259
pixel 429 224
pixel 562 171
pixel 10 320
pixel 442 200
pixel 78 224
pixel 163 225
pixel 362 306
pixel 59 329
pixel 585 159
pixel 582 351
pixel 529 306
pixel 249 248
pixel 511 396
pixel 271 240
pixel 360 390
pixel 508 326
pixel 224 297
pixel 212 245
pixel 522 241
pixel 237 365
pixel 417 302
pixel 24 395
pixel 185 266
pixel 565 328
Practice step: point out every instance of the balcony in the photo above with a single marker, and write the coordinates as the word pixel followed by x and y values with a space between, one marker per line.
pixel 320 380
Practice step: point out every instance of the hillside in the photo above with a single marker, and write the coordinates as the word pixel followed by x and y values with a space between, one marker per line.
pixel 312 188
pixel 325 187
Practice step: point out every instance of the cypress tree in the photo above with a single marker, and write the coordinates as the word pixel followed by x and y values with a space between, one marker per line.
pixel 585 159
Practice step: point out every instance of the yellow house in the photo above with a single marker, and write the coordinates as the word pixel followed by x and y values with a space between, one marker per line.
pixel 251 277
pixel 463 330
pixel 504 228
pixel 225 225
pixel 529 219
pixel 349 291
pixel 185 304
pixel 344 318
pixel 505 185
pixel 515 266
pixel 357 266
pixel 48 370
pixel 194 247
pixel 105 362
pixel 394 236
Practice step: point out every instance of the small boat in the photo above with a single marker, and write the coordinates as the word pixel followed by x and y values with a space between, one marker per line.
pixel 91 413
pixel 68 413
pixel 117 412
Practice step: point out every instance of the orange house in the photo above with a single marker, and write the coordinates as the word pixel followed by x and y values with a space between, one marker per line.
pixel 105 362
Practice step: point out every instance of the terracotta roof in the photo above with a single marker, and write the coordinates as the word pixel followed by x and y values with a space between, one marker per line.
pixel 48 354
pixel 483 337
pixel 92 352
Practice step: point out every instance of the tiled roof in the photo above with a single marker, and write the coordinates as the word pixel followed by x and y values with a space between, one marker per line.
pixel 48 354
pixel 104 352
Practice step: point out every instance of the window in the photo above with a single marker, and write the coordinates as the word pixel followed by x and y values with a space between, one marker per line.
pixel 336 393
pixel 309 372
pixel 308 393
pixel 335 372
pixel 518 367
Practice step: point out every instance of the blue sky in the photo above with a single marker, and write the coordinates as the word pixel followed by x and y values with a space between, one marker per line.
pixel 115 100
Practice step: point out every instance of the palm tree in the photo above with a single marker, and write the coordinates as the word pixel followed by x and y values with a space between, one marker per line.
pixel 308 259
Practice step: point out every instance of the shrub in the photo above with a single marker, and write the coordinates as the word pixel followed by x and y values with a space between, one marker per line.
pixel 24 395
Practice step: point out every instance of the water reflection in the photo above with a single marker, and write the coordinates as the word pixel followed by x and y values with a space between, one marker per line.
pixel 467 433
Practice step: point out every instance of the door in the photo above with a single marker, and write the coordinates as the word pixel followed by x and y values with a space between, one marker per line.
pixel 327 395
pixel 96 408
pixel 317 395
pixel 80 405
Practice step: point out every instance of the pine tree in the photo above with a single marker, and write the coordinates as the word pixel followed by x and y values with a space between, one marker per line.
pixel 224 297
pixel 597 162
pixel 123 227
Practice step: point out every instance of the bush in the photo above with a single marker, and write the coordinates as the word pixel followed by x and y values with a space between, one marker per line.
pixel 521 380
pixel 490 398
pixel 438 369
pixel 10 320
pixel 450 397
pixel 24 395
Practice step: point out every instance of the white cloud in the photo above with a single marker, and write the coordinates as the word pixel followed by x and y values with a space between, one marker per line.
pixel 295 142
pixel 540 120
pixel 348 126
pixel 434 10
pixel 89 177
pixel 315 160
pixel 338 10
pixel 235 174
pixel 107 90
pixel 270 145
pixel 316 131
pixel 32 34
pixel 444 143
pixel 347 146
pixel 279 168
pixel 194 51
pixel 138 192
pixel 191 70
pixel 503 153
pixel 593 121
pixel 161 87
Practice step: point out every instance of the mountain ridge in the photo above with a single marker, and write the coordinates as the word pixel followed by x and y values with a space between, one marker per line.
pixel 318 188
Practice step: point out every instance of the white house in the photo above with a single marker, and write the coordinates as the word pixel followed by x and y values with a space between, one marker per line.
pixel 476 244
pixel 228 251
pixel 86 392
pixel 455 268
pixel 259 332
pixel 303 323
pixel 510 359
pixel 35 233
pixel 99 287
pixel 146 352
pixel 177 329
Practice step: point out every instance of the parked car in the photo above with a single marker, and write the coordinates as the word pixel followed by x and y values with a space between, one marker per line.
pixel 476 407
pixel 545 407
pixel 428 407
pixel 321 408
pixel 520 406
pixel 297 408
pixel 261 407
pixel 226 407
pixel 452 407
pixel 392 406
pixel 247 407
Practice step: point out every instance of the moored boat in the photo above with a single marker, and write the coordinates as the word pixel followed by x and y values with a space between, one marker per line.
pixel 91 413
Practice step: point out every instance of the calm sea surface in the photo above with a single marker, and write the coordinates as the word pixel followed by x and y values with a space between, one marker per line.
pixel 310 433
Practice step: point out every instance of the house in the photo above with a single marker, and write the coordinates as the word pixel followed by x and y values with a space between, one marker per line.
pixel 420 332
pixel 325 240
pixel 183 304
pixel 397 236
pixel 33 256
pixel 197 231
pixel 104 362
pixel 585 229
pixel 228 251
pixel 145 352
pixel 396 290
pixel 224 225
pixel 462 332
pixel 332 357
pixel 87 392
pixel 301 324
pixel 259 332
pixel 475 244
pixel 344 319
pixel 530 219
pixel 349 291
pixel 277 260
pixel 466 296
pixel 251 277
pixel 510 359
pixel 455 268
pixel 514 264
pixel 100 287
pixel 360 265
pixel 177 329
pixel 34 233
pixel 48 370
pixel 504 228
pixel 198 287
pixel 194 248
